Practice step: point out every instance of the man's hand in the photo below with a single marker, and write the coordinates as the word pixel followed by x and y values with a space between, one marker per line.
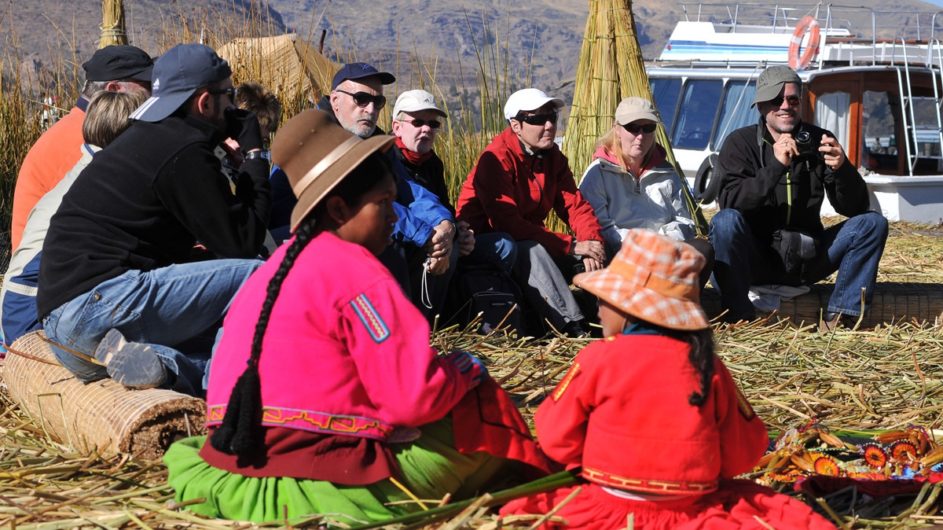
pixel 243 126
pixel 590 249
pixel 785 148
pixel 437 266
pixel 832 152
pixel 466 239
pixel 590 264
pixel 440 244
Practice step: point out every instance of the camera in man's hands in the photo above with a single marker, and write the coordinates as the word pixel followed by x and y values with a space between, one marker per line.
pixel 808 143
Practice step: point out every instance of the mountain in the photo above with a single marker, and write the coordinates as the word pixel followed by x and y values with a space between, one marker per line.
pixel 534 42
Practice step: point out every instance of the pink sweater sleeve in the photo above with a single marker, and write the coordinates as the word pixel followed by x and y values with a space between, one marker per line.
pixel 388 340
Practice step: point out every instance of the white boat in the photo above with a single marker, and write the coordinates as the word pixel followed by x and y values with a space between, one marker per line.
pixel 880 96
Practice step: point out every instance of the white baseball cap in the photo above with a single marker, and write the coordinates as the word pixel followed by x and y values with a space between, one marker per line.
pixel 528 99
pixel 415 101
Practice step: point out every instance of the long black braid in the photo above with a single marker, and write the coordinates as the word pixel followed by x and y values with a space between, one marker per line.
pixel 241 432
pixel 701 356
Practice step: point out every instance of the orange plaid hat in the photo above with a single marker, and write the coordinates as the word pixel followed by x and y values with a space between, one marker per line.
pixel 652 278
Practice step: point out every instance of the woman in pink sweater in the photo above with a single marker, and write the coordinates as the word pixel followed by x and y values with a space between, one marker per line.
pixel 324 395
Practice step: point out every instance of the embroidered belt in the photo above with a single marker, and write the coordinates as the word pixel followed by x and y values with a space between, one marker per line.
pixel 647 485
pixel 313 421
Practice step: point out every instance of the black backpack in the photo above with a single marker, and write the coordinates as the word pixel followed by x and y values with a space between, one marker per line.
pixel 491 292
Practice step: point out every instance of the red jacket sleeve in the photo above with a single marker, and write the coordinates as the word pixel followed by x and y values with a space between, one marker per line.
pixel 743 435
pixel 573 209
pixel 561 419
pixel 494 188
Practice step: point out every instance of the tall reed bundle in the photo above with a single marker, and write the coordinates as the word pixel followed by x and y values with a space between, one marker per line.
pixel 611 68
pixel 112 28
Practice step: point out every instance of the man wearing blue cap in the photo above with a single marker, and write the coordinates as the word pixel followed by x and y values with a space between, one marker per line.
pixel 121 287
pixel 775 175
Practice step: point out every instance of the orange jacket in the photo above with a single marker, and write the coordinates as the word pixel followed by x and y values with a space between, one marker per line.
pixel 50 158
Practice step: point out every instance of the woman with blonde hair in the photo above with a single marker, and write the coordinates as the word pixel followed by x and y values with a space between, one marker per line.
pixel 630 185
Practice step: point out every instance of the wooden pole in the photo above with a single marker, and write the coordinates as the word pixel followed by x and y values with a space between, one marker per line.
pixel 611 68
pixel 112 28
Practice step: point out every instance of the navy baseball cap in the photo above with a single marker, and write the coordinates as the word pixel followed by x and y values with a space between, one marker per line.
pixel 178 73
pixel 354 71
pixel 113 63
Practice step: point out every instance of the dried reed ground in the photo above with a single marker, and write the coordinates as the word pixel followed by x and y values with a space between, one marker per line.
pixel 883 378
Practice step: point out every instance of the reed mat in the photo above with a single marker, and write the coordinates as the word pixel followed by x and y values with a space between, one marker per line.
pixel 882 378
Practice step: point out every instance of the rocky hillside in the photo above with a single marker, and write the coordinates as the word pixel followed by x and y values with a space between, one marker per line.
pixel 532 42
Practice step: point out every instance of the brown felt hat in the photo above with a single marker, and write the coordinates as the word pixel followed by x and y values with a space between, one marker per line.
pixel 316 153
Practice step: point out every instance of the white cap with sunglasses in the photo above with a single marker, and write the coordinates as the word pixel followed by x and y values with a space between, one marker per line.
pixel 416 101
pixel 527 100
pixel 635 108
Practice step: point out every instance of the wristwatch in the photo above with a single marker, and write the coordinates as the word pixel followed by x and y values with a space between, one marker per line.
pixel 255 153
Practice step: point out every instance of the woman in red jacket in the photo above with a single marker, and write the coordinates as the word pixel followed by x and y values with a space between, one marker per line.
pixel 652 415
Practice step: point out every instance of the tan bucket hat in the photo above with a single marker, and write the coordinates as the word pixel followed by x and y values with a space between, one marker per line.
pixel 317 154
pixel 652 278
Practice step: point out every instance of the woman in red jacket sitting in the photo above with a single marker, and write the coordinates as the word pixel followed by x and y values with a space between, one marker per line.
pixel 652 415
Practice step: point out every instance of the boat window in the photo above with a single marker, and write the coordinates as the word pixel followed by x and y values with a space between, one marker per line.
pixel 666 90
pixel 928 132
pixel 735 111
pixel 832 113
pixel 879 132
pixel 696 121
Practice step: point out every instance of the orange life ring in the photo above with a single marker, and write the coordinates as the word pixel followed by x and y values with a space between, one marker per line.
pixel 810 25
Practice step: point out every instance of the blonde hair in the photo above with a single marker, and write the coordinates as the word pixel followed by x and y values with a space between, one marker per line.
pixel 612 143
pixel 108 115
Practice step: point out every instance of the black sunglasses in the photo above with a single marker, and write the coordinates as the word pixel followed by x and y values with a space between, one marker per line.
pixel 231 92
pixel 537 119
pixel 778 101
pixel 636 128
pixel 362 99
pixel 417 123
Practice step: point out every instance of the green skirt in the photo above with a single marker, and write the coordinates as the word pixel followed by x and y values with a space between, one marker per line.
pixel 430 468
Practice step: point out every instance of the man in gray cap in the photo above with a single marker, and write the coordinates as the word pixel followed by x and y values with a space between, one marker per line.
pixel 131 276
pixel 112 68
pixel 769 230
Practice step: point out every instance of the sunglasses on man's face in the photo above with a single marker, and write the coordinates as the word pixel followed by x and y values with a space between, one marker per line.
pixel 231 92
pixel 538 119
pixel 362 99
pixel 637 128
pixel 778 101
pixel 417 123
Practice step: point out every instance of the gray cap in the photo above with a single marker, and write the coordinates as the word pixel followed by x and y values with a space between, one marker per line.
pixel 771 82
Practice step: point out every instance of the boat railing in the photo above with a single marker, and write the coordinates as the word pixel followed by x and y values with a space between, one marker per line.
pixel 840 25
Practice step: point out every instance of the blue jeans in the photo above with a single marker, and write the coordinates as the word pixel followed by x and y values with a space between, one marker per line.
pixel 171 308
pixel 494 248
pixel 853 248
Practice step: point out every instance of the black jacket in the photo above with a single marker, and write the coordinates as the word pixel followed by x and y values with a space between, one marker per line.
pixel 773 196
pixel 143 202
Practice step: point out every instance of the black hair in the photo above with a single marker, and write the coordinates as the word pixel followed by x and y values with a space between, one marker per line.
pixel 701 356
pixel 241 432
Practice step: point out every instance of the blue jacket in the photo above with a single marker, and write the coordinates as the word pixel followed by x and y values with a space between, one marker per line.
pixel 418 210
